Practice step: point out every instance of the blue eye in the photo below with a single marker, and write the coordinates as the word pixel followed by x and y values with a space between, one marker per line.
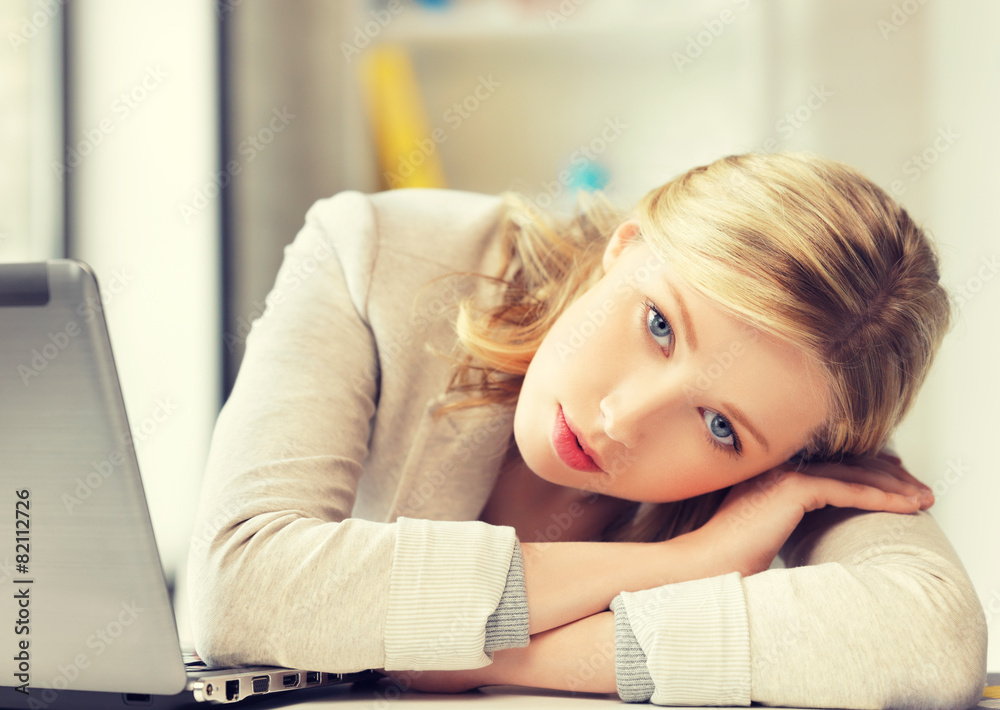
pixel 721 430
pixel 658 326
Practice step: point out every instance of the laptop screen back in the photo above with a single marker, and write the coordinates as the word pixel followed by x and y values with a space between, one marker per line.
pixel 83 603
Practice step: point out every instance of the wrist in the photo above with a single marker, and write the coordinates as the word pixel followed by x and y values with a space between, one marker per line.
pixel 503 669
pixel 695 638
pixel 693 555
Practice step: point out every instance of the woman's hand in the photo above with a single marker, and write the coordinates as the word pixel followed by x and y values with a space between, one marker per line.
pixel 759 514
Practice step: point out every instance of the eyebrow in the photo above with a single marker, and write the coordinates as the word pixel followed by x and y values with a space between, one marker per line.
pixel 688 333
pixel 740 417
pixel 734 412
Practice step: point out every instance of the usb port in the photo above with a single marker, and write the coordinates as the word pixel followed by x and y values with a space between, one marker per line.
pixel 312 677
pixel 261 683
pixel 290 680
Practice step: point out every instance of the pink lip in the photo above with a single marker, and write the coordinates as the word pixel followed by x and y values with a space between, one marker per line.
pixel 568 447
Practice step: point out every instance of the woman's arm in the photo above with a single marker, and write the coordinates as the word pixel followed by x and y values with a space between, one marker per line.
pixel 880 614
pixel 280 572
pixel 578 657
pixel 566 581
pixel 874 610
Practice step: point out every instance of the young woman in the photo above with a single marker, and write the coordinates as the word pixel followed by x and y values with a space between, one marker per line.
pixel 471 444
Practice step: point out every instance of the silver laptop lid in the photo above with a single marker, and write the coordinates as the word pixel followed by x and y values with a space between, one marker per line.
pixel 83 603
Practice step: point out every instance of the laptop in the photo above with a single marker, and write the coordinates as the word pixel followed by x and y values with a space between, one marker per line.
pixel 85 613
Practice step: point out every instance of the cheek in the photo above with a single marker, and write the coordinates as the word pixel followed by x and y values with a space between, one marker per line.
pixel 678 463
pixel 582 350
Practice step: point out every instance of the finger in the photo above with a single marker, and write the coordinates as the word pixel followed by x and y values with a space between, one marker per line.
pixel 888 481
pixel 890 457
pixel 894 469
pixel 900 472
pixel 890 464
pixel 842 470
pixel 852 494
pixel 885 477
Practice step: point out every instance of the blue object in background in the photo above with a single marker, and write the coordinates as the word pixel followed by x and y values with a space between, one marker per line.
pixel 434 4
pixel 589 176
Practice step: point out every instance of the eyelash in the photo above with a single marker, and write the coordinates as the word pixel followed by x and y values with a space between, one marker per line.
pixel 734 451
pixel 646 306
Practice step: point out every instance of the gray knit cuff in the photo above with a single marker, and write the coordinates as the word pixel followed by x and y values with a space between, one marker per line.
pixel 635 684
pixel 507 627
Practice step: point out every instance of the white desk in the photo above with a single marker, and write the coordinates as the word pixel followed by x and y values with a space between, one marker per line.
pixel 384 696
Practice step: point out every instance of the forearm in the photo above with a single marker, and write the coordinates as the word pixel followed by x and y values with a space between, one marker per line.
pixel 567 581
pixel 579 656
pixel 891 602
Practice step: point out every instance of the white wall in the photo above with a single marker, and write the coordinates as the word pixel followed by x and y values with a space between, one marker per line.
pixel 145 114
pixel 960 412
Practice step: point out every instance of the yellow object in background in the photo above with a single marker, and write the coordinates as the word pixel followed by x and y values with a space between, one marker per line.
pixel 991 691
pixel 407 150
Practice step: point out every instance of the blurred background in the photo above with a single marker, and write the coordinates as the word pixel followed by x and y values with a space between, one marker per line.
pixel 175 145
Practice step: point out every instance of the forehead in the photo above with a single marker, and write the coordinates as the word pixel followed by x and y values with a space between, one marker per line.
pixel 776 385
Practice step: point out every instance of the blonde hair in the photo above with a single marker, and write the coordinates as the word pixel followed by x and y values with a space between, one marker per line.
pixel 798 246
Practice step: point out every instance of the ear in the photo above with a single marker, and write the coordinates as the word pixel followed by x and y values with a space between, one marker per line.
pixel 627 234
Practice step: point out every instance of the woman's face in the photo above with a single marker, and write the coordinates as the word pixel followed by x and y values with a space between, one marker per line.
pixel 670 396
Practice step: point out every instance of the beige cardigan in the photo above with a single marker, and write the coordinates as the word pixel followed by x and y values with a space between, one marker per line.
pixel 338 529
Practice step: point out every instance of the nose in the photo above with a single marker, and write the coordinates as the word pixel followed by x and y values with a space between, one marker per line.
pixel 619 425
pixel 635 407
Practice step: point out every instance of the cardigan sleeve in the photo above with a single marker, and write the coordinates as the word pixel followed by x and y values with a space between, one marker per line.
pixel 874 610
pixel 279 572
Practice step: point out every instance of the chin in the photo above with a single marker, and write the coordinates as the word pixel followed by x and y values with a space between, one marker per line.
pixel 539 458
